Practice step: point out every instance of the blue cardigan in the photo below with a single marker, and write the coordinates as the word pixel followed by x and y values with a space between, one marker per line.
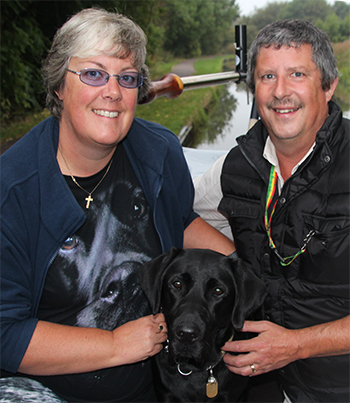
pixel 39 212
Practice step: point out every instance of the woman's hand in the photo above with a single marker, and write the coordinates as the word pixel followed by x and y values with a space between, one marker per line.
pixel 58 349
pixel 140 339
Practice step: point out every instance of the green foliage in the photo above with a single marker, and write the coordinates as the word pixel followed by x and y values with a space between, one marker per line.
pixel 209 65
pixel 341 8
pixel 149 14
pixel 337 29
pixel 199 27
pixel 181 28
pixel 181 25
pixel 22 46
pixel 306 10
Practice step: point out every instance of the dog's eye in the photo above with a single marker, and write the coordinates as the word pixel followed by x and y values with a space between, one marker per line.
pixel 139 210
pixel 111 291
pixel 177 285
pixel 218 291
pixel 70 243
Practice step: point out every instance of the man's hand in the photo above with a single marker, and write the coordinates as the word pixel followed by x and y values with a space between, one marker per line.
pixel 273 348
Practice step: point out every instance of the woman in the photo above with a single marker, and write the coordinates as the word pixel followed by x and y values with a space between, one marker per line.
pixel 88 196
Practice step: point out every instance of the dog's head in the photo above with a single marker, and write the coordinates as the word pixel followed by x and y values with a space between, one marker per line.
pixel 98 266
pixel 204 296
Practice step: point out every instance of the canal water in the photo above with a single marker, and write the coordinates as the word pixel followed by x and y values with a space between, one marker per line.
pixel 205 144
pixel 235 124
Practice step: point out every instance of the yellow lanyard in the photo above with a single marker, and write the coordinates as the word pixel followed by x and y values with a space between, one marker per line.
pixel 269 197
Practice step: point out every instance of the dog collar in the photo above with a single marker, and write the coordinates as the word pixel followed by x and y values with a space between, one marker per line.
pixel 212 386
pixel 210 368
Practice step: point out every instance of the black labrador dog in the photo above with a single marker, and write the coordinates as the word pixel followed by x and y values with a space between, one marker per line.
pixel 204 296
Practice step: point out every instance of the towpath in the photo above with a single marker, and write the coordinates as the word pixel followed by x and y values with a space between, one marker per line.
pixel 184 68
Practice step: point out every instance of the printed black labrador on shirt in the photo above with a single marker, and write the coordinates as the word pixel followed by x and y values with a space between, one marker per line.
pixel 204 296
pixel 97 269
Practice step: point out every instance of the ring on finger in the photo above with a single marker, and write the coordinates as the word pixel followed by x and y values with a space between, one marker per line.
pixel 252 366
pixel 160 328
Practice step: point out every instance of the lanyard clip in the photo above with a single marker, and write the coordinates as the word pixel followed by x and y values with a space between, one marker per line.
pixel 280 258
pixel 307 239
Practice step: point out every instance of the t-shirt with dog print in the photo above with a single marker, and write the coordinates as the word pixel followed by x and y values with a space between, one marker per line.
pixel 93 281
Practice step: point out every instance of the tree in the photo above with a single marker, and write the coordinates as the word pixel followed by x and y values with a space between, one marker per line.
pixel 149 14
pixel 182 32
pixel 22 46
pixel 306 10
pixel 333 26
pixel 218 32
pixel 341 8
pixel 199 27
pixel 345 26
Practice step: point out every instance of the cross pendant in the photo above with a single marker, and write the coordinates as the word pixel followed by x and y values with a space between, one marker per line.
pixel 88 201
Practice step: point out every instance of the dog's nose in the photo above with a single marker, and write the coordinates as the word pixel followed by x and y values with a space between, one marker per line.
pixel 187 334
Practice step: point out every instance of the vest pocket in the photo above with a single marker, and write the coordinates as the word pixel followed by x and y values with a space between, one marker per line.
pixel 235 207
pixel 327 256
pixel 327 227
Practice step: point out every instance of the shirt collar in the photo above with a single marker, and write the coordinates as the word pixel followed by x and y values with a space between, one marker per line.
pixel 270 155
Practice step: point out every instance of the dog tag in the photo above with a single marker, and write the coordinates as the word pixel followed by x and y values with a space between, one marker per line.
pixel 212 385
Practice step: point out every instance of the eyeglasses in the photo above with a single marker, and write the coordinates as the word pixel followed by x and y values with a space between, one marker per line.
pixel 96 78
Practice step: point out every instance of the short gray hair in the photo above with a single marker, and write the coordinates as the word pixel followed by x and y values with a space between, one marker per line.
pixel 295 33
pixel 92 32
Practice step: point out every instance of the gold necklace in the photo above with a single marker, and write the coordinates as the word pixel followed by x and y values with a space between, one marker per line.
pixel 88 199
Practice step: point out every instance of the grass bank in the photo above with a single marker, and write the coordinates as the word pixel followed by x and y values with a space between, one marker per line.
pixel 191 107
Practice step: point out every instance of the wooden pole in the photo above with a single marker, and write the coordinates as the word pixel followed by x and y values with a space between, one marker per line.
pixel 171 85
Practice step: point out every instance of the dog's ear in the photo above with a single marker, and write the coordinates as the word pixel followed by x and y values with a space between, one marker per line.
pixel 250 292
pixel 151 276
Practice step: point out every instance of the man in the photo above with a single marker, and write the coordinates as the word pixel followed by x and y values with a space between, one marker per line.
pixel 285 193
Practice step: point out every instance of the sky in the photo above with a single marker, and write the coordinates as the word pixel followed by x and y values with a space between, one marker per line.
pixel 248 6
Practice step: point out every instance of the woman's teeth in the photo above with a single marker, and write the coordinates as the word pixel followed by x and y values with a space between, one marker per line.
pixel 106 114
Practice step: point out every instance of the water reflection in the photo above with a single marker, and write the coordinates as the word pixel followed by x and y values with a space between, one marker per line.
pixel 229 119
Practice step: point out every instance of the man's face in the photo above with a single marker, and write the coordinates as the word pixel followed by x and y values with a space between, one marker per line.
pixel 289 94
